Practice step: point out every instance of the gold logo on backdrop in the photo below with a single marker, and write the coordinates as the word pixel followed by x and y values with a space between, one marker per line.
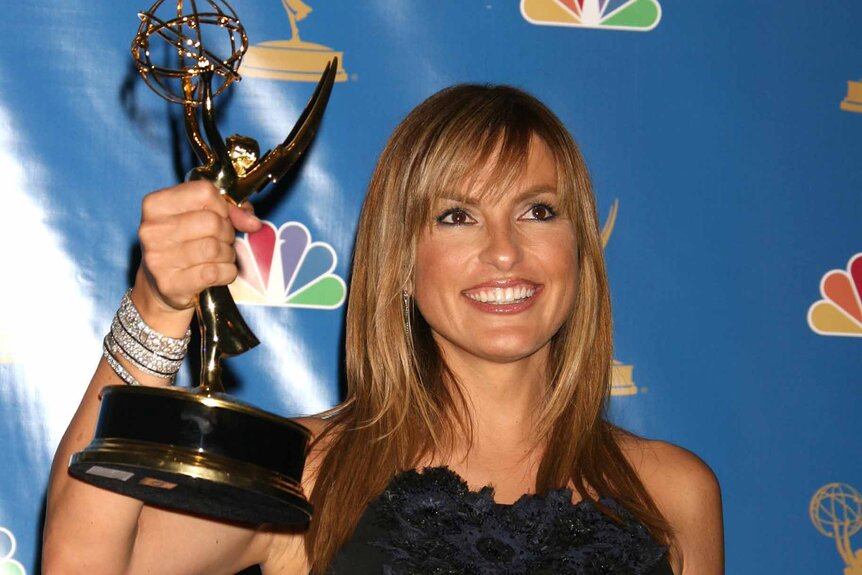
pixel 853 101
pixel 836 511
pixel 621 374
pixel 293 59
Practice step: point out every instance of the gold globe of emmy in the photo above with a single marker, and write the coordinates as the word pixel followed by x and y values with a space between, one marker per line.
pixel 198 450
pixel 836 512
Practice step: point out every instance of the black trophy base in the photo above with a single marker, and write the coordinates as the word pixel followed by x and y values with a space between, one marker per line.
pixel 208 455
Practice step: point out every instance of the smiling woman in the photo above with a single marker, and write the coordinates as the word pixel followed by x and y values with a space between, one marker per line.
pixel 473 437
pixel 480 221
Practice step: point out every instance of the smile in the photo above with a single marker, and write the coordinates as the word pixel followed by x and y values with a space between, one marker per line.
pixel 502 295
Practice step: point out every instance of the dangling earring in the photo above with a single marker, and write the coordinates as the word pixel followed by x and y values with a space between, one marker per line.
pixel 406 314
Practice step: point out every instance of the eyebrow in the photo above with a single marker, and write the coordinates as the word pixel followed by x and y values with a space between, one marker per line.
pixel 472 200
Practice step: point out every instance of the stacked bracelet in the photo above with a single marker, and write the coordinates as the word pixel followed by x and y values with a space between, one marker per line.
pixel 109 351
pixel 143 347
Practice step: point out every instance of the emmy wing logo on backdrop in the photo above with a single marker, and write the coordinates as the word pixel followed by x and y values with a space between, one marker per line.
pixel 839 313
pixel 633 15
pixel 293 59
pixel 621 374
pixel 836 512
pixel 9 566
pixel 282 267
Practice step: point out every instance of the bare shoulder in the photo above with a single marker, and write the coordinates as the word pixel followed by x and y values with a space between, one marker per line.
pixel 687 493
pixel 667 470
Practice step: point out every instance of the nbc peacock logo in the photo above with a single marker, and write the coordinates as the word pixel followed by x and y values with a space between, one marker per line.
pixel 8 565
pixel 632 15
pixel 839 313
pixel 282 267
pixel 836 512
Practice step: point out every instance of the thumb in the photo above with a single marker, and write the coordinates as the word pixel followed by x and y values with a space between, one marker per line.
pixel 244 219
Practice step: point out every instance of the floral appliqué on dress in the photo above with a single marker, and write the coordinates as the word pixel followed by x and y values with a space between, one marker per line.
pixel 431 523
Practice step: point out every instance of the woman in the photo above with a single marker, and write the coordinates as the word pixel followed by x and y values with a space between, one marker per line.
pixel 478 354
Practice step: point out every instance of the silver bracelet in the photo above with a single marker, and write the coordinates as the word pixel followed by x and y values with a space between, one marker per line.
pixel 133 323
pixel 143 347
pixel 142 358
pixel 118 368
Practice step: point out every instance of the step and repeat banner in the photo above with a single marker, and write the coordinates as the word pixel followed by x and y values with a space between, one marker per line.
pixel 725 145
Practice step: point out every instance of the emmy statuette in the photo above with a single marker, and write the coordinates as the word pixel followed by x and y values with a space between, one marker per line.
pixel 198 450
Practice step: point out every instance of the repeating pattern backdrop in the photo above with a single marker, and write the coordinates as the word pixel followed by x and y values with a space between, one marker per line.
pixel 725 138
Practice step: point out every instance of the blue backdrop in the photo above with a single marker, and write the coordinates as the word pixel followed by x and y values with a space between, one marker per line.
pixel 729 134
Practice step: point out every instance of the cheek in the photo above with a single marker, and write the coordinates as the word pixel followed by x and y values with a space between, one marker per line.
pixel 439 271
pixel 560 263
pixel 440 263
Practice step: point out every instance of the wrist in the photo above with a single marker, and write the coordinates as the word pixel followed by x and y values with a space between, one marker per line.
pixel 133 343
pixel 157 314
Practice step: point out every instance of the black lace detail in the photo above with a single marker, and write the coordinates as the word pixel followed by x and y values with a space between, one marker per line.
pixel 431 523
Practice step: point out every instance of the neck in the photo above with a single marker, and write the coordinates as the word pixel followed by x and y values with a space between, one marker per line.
pixel 502 400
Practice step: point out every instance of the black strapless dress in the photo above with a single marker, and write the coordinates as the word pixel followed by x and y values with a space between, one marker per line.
pixel 430 523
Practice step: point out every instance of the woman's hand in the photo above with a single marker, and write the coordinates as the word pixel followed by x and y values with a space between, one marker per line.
pixel 187 234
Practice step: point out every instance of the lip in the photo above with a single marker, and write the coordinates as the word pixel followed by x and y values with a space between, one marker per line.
pixel 504 308
pixel 504 283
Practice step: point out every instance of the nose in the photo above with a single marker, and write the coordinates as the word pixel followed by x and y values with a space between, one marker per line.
pixel 502 248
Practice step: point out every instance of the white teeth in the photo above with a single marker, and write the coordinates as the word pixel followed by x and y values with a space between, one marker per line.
pixel 502 295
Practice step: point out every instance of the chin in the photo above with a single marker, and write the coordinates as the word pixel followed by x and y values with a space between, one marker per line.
pixel 508 352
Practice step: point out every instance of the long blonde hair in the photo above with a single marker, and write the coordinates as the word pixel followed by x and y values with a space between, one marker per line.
pixel 400 406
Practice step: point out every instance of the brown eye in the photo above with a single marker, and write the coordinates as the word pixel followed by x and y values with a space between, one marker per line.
pixel 455 217
pixel 540 212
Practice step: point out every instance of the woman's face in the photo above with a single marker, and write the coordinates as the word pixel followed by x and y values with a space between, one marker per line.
pixel 496 277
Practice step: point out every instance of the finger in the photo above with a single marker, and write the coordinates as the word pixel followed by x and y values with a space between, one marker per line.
pixel 206 250
pixel 185 197
pixel 247 206
pixel 165 265
pixel 244 220
pixel 180 228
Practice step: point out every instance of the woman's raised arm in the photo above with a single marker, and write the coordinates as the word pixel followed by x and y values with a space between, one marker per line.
pixel 187 234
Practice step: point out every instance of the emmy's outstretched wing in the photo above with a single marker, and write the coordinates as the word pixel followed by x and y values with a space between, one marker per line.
pixel 275 163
